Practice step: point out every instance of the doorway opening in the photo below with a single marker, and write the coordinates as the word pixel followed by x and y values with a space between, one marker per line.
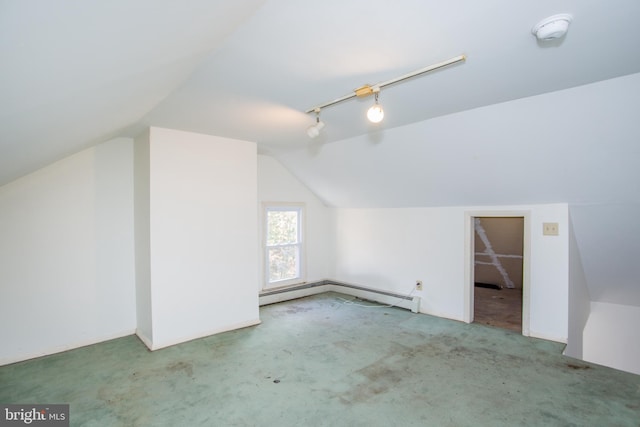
pixel 497 270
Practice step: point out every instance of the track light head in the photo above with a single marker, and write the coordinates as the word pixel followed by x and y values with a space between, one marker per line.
pixel 314 130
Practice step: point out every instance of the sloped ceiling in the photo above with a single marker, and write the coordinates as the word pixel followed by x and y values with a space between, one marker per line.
pixel 78 73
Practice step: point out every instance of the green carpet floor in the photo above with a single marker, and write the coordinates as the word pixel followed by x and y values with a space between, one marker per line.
pixel 323 361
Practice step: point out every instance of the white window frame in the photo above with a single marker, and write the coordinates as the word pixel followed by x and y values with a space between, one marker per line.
pixel 300 209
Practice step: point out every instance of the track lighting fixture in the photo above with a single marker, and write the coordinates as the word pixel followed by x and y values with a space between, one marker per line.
pixel 375 114
pixel 314 130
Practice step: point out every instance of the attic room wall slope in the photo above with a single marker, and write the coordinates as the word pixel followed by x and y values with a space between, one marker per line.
pixel 66 254
pixel 572 146
pixel 608 235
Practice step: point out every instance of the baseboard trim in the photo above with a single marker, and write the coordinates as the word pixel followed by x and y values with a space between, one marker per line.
pixel 227 328
pixel 307 289
pixel 145 340
pixel 66 347
pixel 534 334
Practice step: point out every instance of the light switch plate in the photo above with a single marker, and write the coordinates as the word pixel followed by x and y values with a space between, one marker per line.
pixel 550 228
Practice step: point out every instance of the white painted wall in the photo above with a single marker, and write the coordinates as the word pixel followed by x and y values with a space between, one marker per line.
pixel 142 218
pixel 203 235
pixel 66 254
pixel 609 344
pixel 579 299
pixel 276 184
pixel 549 264
pixel 389 249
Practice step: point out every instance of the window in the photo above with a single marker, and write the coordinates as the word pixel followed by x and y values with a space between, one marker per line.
pixel 283 248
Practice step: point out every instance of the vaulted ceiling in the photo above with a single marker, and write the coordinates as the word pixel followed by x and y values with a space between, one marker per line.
pixel 78 73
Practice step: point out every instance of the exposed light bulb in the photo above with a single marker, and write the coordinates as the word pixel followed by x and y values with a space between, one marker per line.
pixel 375 113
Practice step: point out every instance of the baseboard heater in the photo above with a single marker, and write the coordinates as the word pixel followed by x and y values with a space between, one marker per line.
pixel 273 296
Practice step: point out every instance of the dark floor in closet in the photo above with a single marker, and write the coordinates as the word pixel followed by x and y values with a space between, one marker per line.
pixel 501 308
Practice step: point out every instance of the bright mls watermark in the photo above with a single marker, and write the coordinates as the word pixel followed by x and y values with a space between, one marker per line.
pixel 34 415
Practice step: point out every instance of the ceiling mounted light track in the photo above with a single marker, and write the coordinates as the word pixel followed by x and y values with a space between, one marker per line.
pixel 375 113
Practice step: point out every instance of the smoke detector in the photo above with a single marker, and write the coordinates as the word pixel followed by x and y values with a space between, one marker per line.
pixel 553 27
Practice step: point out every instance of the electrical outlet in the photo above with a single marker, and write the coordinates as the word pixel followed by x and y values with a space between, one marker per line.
pixel 550 228
pixel 418 285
